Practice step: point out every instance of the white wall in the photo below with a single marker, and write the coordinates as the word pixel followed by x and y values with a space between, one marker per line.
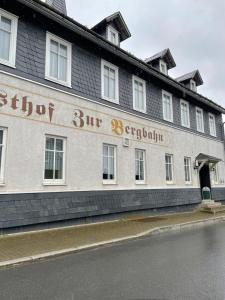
pixel 24 164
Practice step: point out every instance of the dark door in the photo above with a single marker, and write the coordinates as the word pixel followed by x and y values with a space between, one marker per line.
pixel 204 176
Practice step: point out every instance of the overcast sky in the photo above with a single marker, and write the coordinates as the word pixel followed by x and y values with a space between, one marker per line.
pixel 194 30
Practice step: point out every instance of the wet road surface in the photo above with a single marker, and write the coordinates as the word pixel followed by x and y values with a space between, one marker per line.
pixel 182 265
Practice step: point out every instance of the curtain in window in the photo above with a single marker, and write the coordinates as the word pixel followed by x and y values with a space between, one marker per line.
pixel 58 61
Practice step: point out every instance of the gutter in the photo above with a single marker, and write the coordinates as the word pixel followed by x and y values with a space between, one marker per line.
pixel 95 38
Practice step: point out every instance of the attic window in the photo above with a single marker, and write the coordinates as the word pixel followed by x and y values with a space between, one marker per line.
pixel 112 35
pixel 163 67
pixel 193 85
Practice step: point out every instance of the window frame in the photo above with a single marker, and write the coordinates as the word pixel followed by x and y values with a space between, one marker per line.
pixel 161 62
pixel 116 69
pixel 144 156
pixel 215 171
pixel 142 81
pixel 13 38
pixel 113 30
pixel 202 114
pixel 49 37
pixel 181 116
pixel 56 181
pixel 193 86
pixel 190 170
pixel 171 103
pixel 214 123
pixel 3 158
pixel 110 181
pixel 172 168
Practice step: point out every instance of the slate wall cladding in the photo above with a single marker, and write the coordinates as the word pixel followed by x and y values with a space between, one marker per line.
pixel 86 70
pixel 218 194
pixel 35 208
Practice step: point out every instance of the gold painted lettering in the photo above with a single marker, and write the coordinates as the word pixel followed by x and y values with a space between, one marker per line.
pixel 117 126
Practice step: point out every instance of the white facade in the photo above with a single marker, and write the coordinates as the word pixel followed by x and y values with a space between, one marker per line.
pixel 47 111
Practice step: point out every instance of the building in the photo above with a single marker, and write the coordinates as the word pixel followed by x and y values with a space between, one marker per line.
pixel 88 129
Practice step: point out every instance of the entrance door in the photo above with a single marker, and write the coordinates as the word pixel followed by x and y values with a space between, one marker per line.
pixel 204 176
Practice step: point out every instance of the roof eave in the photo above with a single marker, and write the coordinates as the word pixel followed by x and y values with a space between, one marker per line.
pixel 71 24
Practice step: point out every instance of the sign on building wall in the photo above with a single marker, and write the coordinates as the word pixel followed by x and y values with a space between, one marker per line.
pixel 69 111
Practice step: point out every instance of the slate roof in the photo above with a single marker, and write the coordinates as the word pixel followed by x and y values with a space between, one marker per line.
pixel 120 24
pixel 195 75
pixel 92 36
pixel 165 55
pixel 60 5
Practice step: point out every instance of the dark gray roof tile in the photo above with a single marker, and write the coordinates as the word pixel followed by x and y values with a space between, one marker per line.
pixel 165 55
pixel 195 75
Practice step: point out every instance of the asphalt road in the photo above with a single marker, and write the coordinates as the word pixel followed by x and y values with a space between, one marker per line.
pixel 182 266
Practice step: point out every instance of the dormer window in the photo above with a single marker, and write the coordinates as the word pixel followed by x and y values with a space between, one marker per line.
pixel 163 67
pixel 112 35
pixel 193 85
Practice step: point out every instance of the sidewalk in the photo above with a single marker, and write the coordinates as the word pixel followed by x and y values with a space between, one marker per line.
pixel 21 247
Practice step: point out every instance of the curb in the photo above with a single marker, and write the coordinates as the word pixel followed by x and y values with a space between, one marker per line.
pixel 157 230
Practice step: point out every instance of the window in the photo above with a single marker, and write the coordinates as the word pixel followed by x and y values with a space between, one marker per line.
pixel 169 168
pixel 54 160
pixel 163 67
pixel 110 89
pixel 187 169
pixel 109 163
pixel 139 166
pixel 167 106
pixel 112 35
pixel 139 94
pixel 214 174
pixel 199 119
pixel 185 117
pixel 8 36
pixel 212 125
pixel 58 60
pixel 193 85
pixel 2 153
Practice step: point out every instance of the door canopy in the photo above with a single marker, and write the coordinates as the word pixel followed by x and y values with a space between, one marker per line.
pixel 206 159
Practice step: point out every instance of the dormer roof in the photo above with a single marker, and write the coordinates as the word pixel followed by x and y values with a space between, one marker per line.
pixel 59 5
pixel 165 55
pixel 194 75
pixel 119 22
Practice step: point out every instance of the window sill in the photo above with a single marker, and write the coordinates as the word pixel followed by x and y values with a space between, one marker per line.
pixel 116 101
pixel 7 63
pixel 188 183
pixel 109 182
pixel 140 110
pixel 201 131
pixel 171 121
pixel 2 184
pixel 54 183
pixel 140 182
pixel 58 82
pixel 170 183
pixel 186 126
